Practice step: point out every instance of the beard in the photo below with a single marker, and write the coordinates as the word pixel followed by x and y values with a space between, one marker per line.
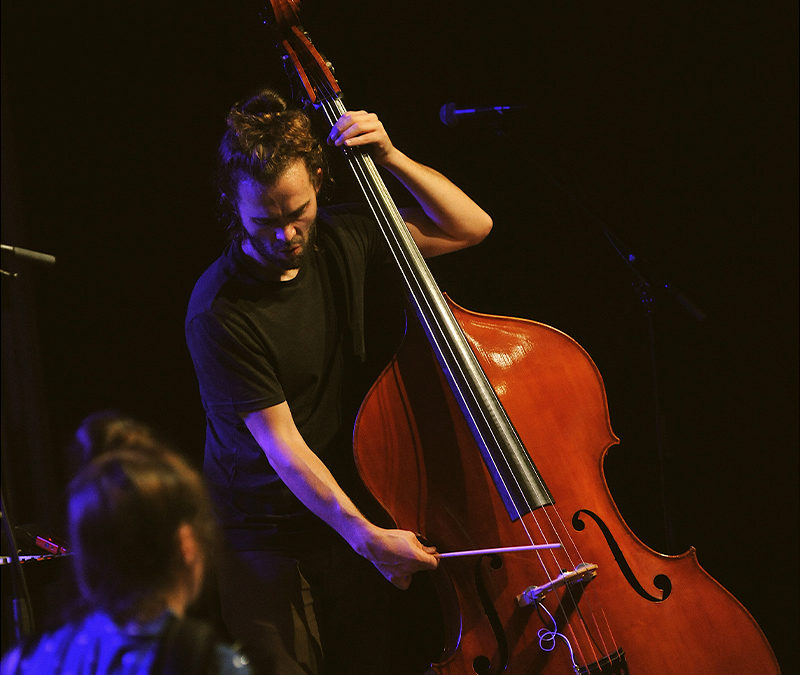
pixel 280 255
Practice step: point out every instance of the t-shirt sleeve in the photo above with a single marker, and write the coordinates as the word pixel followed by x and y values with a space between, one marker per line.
pixel 359 230
pixel 233 371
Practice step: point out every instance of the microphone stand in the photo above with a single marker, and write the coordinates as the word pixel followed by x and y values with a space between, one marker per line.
pixel 644 283
pixel 643 286
pixel 21 605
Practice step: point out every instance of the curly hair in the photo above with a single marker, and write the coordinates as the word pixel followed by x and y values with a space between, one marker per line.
pixel 263 138
pixel 125 509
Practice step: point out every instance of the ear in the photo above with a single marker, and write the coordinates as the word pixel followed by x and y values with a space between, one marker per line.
pixel 188 544
pixel 316 179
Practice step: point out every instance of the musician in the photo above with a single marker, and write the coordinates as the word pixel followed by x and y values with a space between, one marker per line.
pixel 142 532
pixel 275 328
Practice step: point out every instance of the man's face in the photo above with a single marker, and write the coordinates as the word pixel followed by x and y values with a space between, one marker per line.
pixel 279 218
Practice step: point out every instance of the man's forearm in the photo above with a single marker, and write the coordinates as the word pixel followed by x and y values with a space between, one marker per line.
pixel 313 484
pixel 452 220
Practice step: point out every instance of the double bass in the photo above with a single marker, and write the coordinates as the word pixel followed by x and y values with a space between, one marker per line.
pixel 492 434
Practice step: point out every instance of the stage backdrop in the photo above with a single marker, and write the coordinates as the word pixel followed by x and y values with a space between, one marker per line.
pixel 671 128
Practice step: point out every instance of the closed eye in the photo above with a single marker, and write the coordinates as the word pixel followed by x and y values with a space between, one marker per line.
pixel 277 222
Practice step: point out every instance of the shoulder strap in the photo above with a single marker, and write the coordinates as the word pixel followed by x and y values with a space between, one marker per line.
pixel 186 648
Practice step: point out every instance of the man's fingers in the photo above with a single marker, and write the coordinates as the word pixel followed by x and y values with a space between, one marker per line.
pixel 356 128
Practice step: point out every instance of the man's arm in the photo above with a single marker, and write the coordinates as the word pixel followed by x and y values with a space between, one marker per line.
pixel 397 554
pixel 446 219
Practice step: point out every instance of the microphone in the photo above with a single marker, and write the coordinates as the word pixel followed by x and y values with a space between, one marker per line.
pixel 27 254
pixel 451 114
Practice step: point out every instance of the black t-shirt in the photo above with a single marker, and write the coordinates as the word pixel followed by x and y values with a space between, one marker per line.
pixel 256 343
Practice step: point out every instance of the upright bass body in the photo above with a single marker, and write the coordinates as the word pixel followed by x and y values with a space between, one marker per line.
pixel 603 601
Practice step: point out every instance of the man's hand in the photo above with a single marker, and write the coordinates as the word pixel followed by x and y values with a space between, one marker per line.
pixel 360 128
pixel 397 554
pixel 444 219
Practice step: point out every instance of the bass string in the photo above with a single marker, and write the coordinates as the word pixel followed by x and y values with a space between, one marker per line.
pixel 366 186
pixel 385 211
pixel 370 186
pixel 427 314
pixel 333 110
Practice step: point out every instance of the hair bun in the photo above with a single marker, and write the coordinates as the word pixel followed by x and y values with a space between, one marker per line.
pixel 264 103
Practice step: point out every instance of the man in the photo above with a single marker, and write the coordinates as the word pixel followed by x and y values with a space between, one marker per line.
pixel 142 532
pixel 275 329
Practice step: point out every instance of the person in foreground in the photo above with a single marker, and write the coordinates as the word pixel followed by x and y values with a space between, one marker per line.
pixel 275 328
pixel 142 534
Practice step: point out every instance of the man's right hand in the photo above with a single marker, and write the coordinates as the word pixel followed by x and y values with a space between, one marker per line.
pixel 397 554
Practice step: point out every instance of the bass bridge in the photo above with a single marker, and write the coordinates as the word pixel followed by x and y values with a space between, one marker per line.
pixel 583 572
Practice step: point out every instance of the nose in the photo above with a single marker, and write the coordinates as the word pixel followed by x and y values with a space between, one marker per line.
pixel 285 233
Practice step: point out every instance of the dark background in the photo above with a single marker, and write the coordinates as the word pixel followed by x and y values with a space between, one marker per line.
pixel 675 127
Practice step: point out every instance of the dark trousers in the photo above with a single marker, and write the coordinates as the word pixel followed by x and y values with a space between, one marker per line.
pixel 326 610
